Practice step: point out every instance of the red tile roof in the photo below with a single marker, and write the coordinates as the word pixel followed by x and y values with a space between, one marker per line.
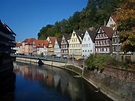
pixel 18 44
pixel 26 40
pixel 114 18
pixel 29 41
pixel 108 30
pixel 41 43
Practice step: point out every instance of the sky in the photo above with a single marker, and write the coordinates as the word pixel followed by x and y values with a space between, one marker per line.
pixel 27 17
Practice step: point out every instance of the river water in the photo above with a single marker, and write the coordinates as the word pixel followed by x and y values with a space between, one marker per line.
pixel 46 83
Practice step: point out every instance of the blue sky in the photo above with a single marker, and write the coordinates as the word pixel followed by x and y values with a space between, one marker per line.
pixel 27 17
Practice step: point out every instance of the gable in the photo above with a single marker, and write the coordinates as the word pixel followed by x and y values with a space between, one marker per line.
pixel 86 36
pixel 100 30
pixel 106 30
pixel 111 23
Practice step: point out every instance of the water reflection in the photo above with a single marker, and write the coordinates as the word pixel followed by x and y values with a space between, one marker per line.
pixel 54 84
pixel 7 83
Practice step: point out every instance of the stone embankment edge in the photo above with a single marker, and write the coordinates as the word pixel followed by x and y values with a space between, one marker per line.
pixel 63 67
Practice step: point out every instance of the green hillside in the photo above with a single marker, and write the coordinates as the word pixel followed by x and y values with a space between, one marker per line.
pixel 96 13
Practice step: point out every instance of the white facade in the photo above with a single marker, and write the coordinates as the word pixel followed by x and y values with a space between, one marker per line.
pixel 88 47
pixel 17 50
pixel 57 50
pixel 42 51
pixel 111 23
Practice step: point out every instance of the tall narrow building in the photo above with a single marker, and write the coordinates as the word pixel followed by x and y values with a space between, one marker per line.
pixel 7 41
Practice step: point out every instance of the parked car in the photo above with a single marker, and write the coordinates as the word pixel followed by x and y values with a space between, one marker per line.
pixel 53 55
pixel 81 59
pixel 72 58
pixel 64 57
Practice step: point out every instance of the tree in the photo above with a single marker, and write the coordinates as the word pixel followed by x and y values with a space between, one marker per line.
pixel 126 25
pixel 93 15
pixel 43 33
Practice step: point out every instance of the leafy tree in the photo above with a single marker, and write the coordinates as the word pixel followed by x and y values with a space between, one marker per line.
pixel 44 32
pixel 93 15
pixel 126 25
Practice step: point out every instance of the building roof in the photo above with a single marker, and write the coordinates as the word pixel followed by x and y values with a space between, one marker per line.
pixel 18 44
pixel 92 34
pixel 29 41
pixel 114 18
pixel 108 30
pixel 26 40
pixel 79 34
pixel 41 43
pixel 5 29
pixel 52 39
pixel 59 42
pixel 67 36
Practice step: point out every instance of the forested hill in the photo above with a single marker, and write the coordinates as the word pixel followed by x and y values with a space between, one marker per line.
pixel 96 13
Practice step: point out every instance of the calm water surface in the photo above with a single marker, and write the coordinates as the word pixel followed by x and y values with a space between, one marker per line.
pixel 46 83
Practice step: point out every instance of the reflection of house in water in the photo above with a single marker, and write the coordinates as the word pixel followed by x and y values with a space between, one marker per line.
pixel 31 72
pixel 64 83
pixel 56 79
pixel 50 80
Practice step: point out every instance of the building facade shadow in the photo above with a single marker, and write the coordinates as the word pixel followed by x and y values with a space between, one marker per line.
pixel 7 82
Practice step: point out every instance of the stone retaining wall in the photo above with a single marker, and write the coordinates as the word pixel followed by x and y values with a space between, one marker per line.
pixel 128 76
pixel 119 84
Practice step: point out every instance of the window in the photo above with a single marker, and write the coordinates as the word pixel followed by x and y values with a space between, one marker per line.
pixel 108 49
pixel 100 30
pixel 101 42
pixel 89 44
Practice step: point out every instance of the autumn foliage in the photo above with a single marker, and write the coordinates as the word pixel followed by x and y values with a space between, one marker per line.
pixel 126 25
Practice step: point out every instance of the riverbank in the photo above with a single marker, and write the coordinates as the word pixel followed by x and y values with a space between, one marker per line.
pixel 97 82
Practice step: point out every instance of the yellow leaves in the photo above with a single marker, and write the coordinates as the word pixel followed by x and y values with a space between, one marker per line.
pixel 125 20
pixel 128 39
pixel 124 34
pixel 133 1
pixel 126 11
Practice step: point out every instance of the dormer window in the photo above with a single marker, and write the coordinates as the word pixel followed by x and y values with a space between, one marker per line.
pixel 100 30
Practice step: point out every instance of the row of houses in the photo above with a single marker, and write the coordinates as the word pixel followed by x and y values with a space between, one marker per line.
pixel 77 44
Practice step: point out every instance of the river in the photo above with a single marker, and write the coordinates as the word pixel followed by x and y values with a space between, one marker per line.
pixel 46 83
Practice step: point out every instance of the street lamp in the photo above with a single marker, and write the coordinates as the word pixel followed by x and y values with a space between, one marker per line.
pixel 83 66
pixel 73 59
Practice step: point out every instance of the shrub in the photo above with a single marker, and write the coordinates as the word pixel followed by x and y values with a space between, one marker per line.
pixel 99 61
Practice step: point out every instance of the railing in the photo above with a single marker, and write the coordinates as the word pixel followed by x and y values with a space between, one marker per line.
pixel 47 58
pixel 67 62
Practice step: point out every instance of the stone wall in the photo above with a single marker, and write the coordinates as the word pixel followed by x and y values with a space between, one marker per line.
pixel 117 83
pixel 128 76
